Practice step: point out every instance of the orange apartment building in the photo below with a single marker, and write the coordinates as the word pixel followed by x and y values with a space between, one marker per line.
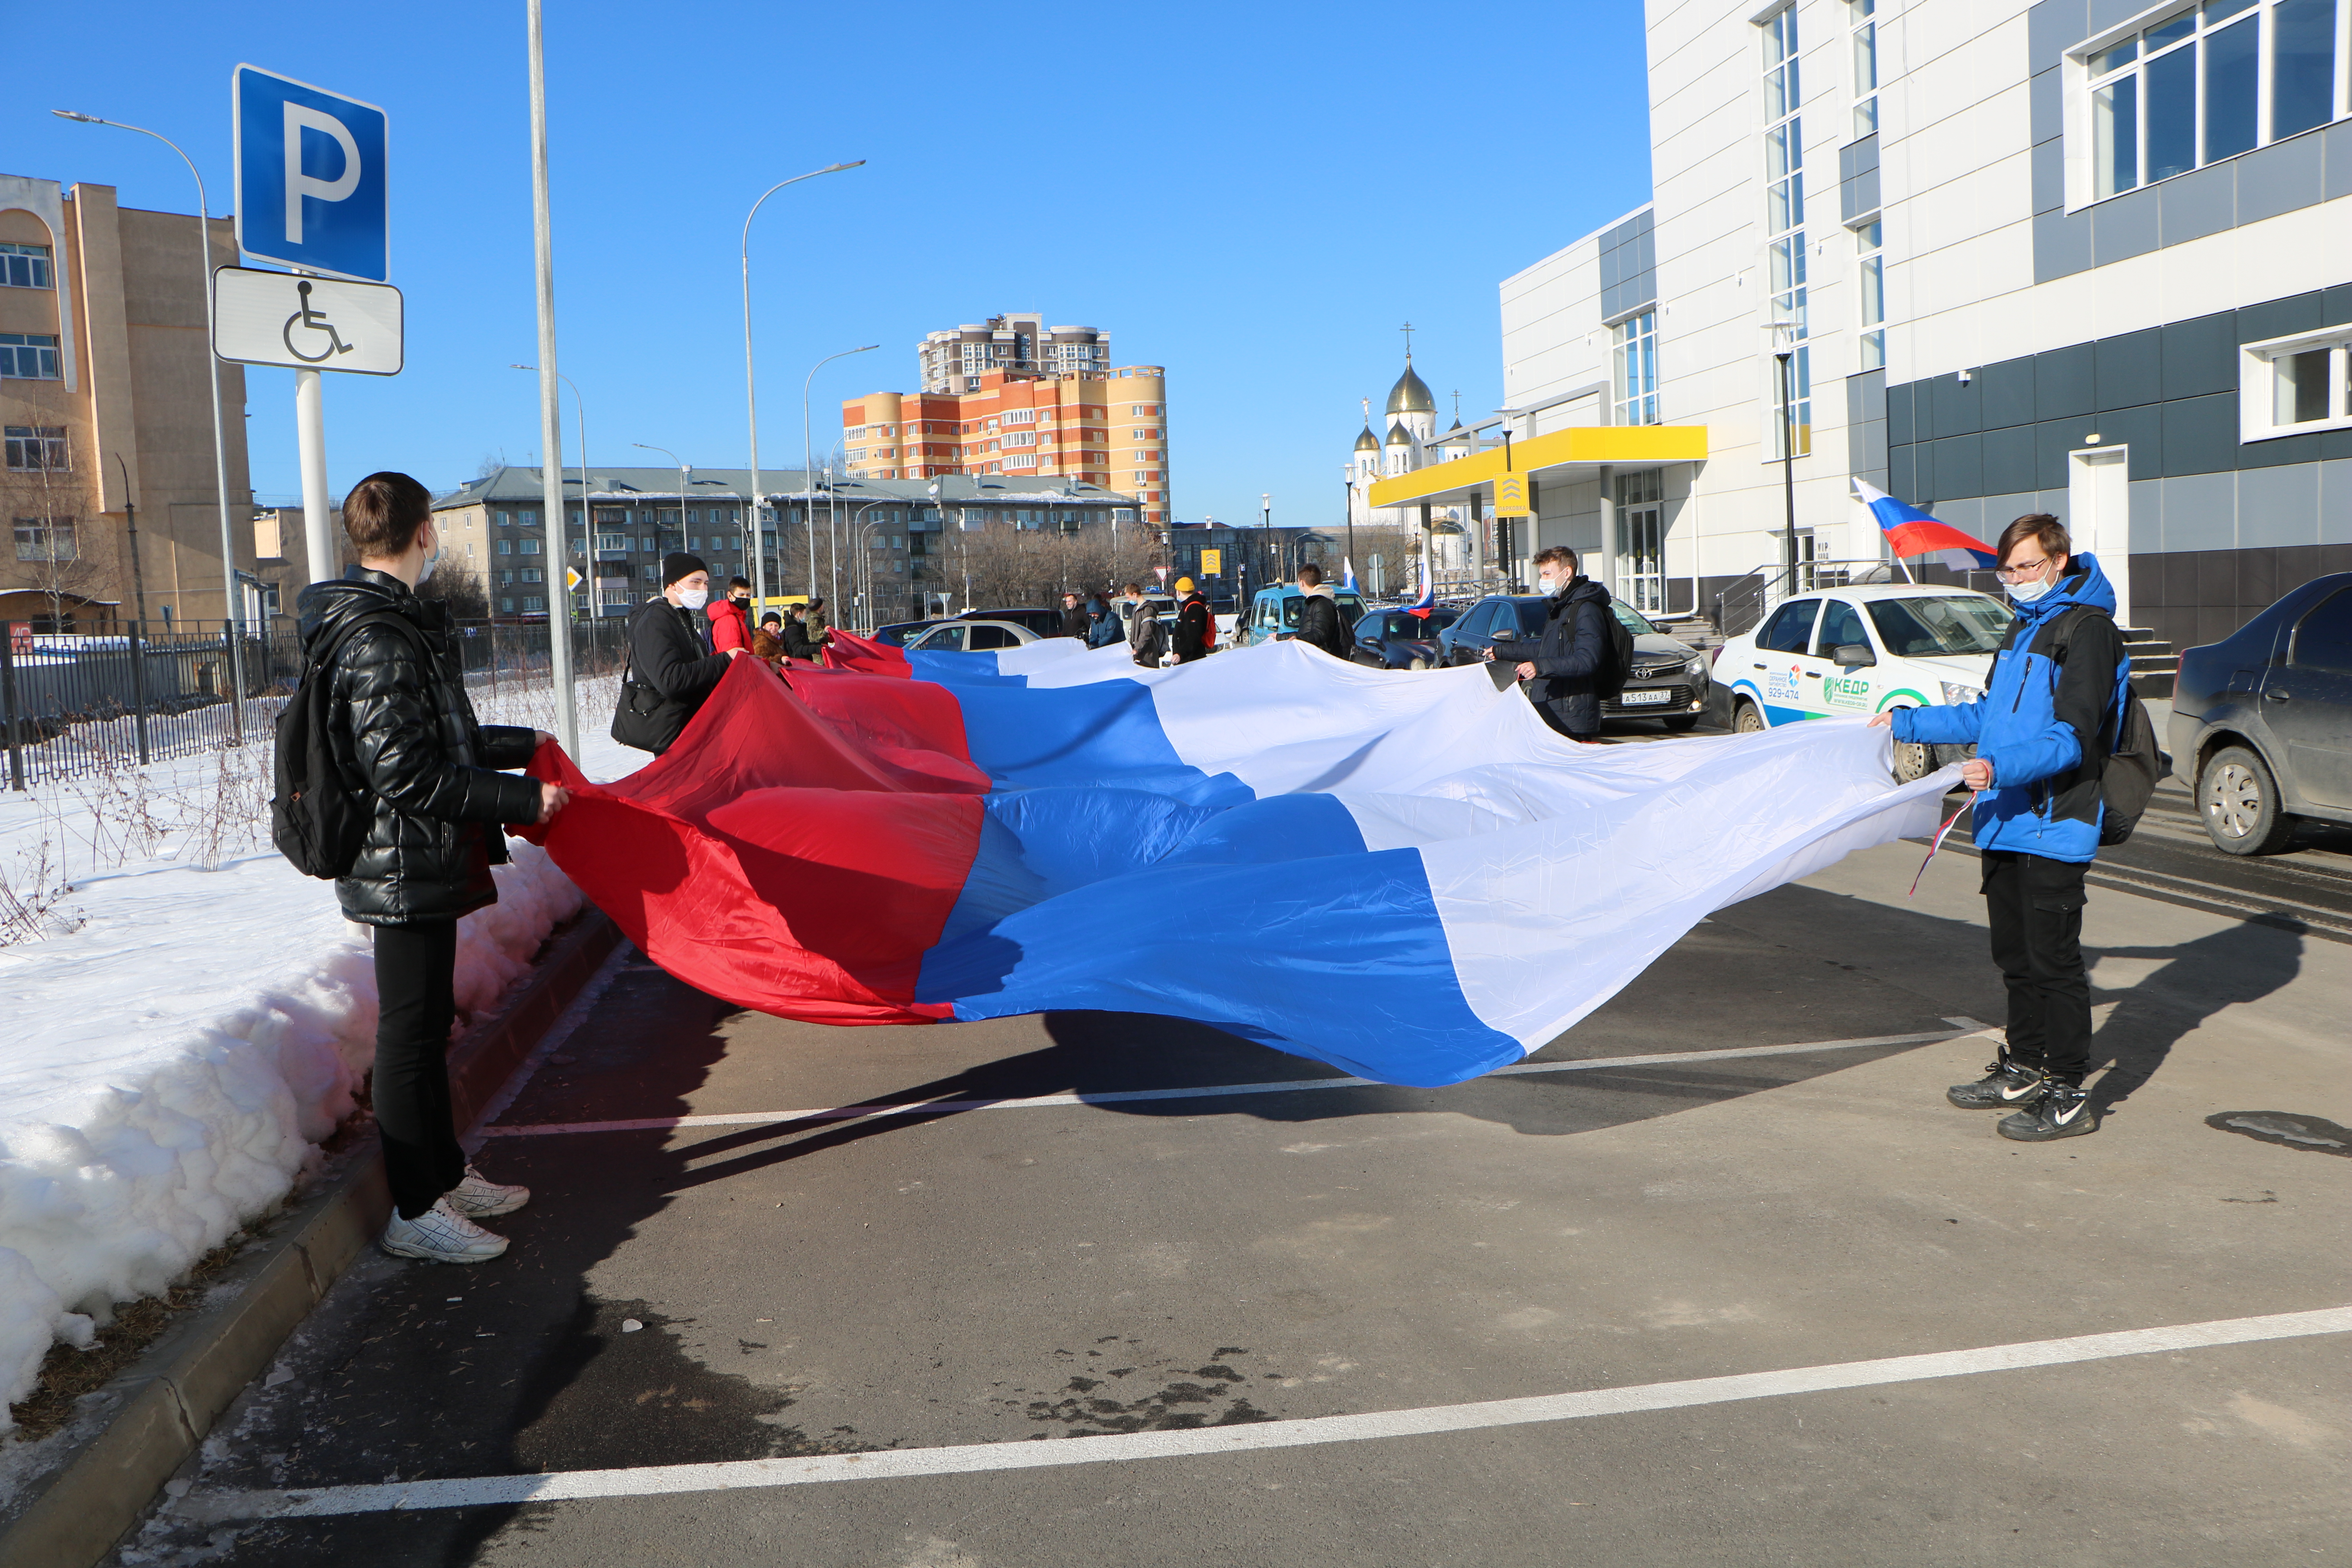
pixel 1106 427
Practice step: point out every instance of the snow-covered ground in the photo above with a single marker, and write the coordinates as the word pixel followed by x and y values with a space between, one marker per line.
pixel 183 1016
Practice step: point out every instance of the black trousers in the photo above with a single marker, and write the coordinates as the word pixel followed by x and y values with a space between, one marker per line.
pixel 416 967
pixel 2035 908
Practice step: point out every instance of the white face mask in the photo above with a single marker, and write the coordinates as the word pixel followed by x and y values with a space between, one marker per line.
pixel 1552 586
pixel 2027 593
pixel 425 573
pixel 694 598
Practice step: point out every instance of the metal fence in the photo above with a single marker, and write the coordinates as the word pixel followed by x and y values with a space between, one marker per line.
pixel 72 706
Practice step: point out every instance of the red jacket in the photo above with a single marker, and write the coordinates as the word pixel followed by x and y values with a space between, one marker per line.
pixel 730 626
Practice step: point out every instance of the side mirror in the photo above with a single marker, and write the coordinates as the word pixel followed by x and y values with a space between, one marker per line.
pixel 1506 634
pixel 1853 655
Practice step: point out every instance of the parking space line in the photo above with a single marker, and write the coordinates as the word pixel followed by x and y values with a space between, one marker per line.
pixel 654 1480
pixel 1208 1091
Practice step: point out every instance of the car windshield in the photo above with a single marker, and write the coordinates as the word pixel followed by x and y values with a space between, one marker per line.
pixel 1633 619
pixel 1922 629
pixel 1404 624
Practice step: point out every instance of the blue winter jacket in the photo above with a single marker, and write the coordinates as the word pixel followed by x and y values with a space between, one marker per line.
pixel 2037 720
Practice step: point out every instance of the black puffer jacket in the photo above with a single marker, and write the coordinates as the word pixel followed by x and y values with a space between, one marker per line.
pixel 406 740
pixel 1319 625
pixel 669 661
pixel 1574 646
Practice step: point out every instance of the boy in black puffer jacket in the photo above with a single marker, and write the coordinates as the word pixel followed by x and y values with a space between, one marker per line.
pixel 406 743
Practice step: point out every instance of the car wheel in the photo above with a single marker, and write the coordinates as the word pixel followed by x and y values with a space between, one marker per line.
pixel 2239 801
pixel 1748 719
pixel 1418 664
pixel 1914 760
pixel 1682 724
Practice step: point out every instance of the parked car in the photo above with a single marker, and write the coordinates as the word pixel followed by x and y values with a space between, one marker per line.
pixel 1045 623
pixel 1274 614
pixel 1669 680
pixel 2262 720
pixel 969 637
pixel 1400 639
pixel 898 632
pixel 1862 649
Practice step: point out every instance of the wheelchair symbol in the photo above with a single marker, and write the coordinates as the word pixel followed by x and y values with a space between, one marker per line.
pixel 315 322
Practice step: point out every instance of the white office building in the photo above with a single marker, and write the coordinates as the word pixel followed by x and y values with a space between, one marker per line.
pixel 2080 257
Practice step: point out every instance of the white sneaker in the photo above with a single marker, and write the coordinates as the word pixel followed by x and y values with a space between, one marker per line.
pixel 478 1197
pixel 441 1235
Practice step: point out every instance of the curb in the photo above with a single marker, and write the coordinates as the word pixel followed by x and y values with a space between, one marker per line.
pixel 165 1406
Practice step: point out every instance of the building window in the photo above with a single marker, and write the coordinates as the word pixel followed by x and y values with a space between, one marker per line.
pixel 29 356
pixel 2290 386
pixel 1641 540
pixel 1863 13
pixel 47 539
pixel 506 606
pixel 1784 227
pixel 2206 83
pixel 532 605
pixel 24 266
pixel 1635 372
pixel 506 547
pixel 1871 272
pixel 533 574
pixel 530 546
pixel 38 448
pixel 506 520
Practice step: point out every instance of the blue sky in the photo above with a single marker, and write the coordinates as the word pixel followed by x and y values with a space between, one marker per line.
pixel 1255 197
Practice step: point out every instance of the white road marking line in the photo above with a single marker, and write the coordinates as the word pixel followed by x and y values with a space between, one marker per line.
pixel 1208 1091
pixel 652 1480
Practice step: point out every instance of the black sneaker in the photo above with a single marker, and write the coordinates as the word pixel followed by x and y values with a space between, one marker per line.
pixel 2008 1085
pixel 2063 1111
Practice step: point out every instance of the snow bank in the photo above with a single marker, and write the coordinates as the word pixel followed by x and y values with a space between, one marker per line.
pixel 169 1062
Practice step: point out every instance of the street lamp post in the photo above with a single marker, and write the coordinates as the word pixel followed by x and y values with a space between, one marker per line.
pixel 685 474
pixel 587 524
pixel 550 400
pixel 230 604
pixel 1784 349
pixel 750 396
pixel 808 504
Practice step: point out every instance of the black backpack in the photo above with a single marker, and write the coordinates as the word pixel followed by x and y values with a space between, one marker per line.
pixel 2131 762
pixel 314 818
pixel 1617 655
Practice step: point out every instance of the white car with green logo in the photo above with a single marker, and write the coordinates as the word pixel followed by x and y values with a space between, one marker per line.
pixel 1862 650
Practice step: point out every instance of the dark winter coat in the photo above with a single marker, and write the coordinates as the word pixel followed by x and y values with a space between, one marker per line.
pixel 1575 646
pixel 2039 722
pixel 406 742
pixel 1319 625
pixel 1102 623
pixel 1196 628
pixel 667 659
pixel 1145 639
pixel 796 640
pixel 1076 622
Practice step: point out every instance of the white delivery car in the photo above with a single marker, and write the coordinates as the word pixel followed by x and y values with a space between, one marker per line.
pixel 1861 650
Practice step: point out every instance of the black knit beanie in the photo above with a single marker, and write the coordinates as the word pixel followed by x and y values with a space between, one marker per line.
pixel 678 563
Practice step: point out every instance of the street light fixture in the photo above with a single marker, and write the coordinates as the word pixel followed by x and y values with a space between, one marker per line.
pixel 1784 349
pixel 587 525
pixel 685 474
pixel 230 607
pixel 751 397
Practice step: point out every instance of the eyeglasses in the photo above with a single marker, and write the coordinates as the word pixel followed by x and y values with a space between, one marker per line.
pixel 2022 572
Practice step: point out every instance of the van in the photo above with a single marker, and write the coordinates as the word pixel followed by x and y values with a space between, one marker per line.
pixel 1274 614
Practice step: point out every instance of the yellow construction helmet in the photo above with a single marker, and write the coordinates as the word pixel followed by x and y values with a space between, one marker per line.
pixel 1184 584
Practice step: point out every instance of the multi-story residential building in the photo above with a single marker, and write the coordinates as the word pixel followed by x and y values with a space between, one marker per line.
pixel 1018 341
pixel 2082 257
pixel 878 543
pixel 102 365
pixel 1103 427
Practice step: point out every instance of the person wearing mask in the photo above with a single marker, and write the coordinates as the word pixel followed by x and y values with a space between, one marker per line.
pixel 669 674
pixel 1102 622
pixel 796 638
pixel 731 617
pixel 1575 645
pixel 1196 627
pixel 2040 730
pixel 1319 623
pixel 406 741
pixel 1145 640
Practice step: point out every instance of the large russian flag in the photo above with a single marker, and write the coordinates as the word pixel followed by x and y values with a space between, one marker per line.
pixel 1406 875
pixel 1910 532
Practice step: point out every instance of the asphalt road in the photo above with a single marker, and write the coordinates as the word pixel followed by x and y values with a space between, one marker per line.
pixel 1052 1275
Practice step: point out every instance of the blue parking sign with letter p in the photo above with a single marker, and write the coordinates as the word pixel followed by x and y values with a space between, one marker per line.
pixel 310 188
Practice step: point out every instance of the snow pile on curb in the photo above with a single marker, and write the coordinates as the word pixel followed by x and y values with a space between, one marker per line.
pixel 171 1062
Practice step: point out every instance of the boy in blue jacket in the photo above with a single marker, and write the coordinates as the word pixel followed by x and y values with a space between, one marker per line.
pixel 2042 730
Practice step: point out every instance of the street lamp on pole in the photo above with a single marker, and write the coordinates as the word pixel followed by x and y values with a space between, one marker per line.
pixel 751 397
pixel 587 526
pixel 685 474
pixel 808 507
pixel 230 607
pixel 1784 349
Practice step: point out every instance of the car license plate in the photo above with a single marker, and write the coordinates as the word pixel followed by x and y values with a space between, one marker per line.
pixel 1634 698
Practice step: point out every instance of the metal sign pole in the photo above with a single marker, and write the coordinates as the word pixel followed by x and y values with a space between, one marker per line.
pixel 310 445
pixel 551 412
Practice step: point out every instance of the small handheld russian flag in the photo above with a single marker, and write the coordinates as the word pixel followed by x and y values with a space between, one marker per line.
pixel 1910 532
pixel 1428 600
pixel 1347 575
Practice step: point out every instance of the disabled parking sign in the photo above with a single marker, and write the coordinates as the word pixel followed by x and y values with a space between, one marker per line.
pixel 311 177
pixel 306 323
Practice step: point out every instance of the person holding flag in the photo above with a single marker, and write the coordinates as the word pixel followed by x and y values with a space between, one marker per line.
pixel 1320 622
pixel 2043 736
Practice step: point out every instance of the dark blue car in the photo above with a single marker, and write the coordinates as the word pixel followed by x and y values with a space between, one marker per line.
pixel 1400 639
